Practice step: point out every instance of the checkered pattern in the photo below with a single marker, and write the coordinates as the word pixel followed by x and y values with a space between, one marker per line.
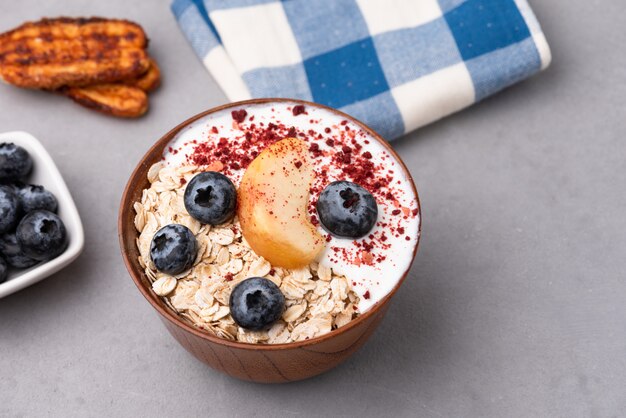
pixel 394 64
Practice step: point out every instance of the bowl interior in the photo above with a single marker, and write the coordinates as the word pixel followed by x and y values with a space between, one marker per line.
pixel 128 234
pixel 45 173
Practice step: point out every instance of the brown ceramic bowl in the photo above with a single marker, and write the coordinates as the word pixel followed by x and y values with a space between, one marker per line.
pixel 255 362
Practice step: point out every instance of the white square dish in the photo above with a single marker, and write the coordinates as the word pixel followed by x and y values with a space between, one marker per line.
pixel 45 173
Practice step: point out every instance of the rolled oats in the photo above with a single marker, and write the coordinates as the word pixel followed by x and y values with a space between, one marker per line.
pixel 324 273
pixel 164 286
pixel 317 299
pixel 294 312
pixel 259 267
pixel 343 318
pixel 222 236
pixel 153 171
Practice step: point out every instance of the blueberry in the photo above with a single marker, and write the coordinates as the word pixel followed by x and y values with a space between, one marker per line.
pixel 36 197
pixel 4 270
pixel 13 253
pixel 347 210
pixel 256 303
pixel 14 185
pixel 211 198
pixel 42 235
pixel 9 209
pixel 15 162
pixel 173 249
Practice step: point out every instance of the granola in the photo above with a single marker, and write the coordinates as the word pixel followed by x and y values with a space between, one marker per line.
pixel 317 299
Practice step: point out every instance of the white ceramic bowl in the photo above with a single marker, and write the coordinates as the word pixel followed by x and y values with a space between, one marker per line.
pixel 45 173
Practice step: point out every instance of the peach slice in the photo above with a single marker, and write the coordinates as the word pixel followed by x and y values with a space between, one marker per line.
pixel 272 205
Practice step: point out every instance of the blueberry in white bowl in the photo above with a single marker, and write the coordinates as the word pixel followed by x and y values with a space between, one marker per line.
pixel 24 165
pixel 14 185
pixel 42 235
pixel 173 249
pixel 10 209
pixel 15 162
pixel 35 197
pixel 13 252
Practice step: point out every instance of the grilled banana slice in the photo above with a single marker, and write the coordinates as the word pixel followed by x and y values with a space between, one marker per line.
pixel 148 81
pixel 53 53
pixel 114 99
pixel 119 99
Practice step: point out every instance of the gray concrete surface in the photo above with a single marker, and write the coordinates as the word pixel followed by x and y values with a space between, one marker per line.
pixel 516 306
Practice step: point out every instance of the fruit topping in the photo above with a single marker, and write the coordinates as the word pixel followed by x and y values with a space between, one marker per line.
pixel 211 198
pixel 256 303
pixel 239 115
pixel 42 235
pixel 173 249
pixel 273 199
pixel 347 210
pixel 298 110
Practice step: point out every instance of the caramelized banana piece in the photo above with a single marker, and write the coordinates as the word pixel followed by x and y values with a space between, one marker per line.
pixel 113 99
pixel 53 53
pixel 148 81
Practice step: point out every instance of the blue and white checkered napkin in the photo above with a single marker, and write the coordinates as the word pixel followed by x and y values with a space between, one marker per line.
pixel 394 64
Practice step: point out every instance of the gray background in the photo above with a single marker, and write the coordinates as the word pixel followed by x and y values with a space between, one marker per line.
pixel 516 305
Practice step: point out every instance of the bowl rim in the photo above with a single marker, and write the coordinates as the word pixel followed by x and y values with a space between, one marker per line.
pixel 126 206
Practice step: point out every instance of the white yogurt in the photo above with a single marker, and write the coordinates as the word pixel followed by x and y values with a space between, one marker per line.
pixel 372 265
